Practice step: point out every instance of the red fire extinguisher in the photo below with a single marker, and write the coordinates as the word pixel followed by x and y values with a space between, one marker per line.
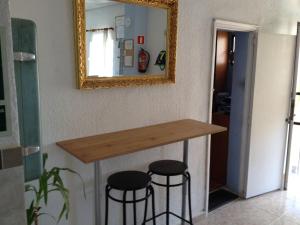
pixel 143 60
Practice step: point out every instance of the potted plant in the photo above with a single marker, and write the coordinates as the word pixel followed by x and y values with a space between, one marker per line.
pixel 49 182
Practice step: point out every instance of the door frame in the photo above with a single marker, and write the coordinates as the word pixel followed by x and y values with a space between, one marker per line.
pixel 238 27
pixel 290 119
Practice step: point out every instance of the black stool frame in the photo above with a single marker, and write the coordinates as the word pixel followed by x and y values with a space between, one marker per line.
pixel 124 201
pixel 186 179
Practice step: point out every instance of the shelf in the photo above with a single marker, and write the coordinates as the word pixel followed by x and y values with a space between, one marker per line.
pixel 103 146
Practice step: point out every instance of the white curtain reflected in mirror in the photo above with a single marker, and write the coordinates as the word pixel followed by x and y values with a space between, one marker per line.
pixel 100 52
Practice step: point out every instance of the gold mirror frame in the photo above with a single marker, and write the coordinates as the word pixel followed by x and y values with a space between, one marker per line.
pixel 88 82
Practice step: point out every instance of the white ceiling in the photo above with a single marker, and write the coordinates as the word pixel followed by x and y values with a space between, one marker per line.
pixel 93 4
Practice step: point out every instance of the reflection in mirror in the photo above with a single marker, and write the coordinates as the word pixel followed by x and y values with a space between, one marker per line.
pixel 3 101
pixel 1 75
pixel 125 39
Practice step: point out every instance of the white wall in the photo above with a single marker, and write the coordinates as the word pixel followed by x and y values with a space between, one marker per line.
pixel 68 113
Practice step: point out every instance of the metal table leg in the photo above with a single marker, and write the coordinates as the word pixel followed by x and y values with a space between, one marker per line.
pixel 98 183
pixel 184 188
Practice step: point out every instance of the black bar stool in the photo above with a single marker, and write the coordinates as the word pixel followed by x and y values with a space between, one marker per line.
pixel 130 181
pixel 169 168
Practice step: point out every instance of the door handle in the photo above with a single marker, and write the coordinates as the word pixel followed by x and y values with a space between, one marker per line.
pixel 24 56
pixel 290 119
pixel 27 151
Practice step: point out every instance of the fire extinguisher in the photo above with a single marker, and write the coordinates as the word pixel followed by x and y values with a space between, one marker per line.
pixel 143 60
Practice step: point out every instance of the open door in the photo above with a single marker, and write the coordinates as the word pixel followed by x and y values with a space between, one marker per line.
pixel 274 71
pixel 293 156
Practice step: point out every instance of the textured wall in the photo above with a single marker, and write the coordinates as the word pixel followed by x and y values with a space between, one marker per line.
pixel 69 113
pixel 12 196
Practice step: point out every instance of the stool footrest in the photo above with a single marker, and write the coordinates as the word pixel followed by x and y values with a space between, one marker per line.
pixel 164 213
pixel 129 201
pixel 172 185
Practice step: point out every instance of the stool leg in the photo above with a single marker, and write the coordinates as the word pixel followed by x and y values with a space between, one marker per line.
pixel 134 206
pixel 153 205
pixel 124 207
pixel 168 201
pixel 106 204
pixel 146 207
pixel 190 198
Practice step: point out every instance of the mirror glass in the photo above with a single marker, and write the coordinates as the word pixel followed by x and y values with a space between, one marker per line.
pixel 1 74
pixel 3 101
pixel 125 39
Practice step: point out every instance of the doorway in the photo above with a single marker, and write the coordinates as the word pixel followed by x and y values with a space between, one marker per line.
pixel 231 94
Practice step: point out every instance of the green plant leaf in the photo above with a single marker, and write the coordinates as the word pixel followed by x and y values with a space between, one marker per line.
pixel 43 181
pixel 75 173
pixel 30 214
pixel 63 210
pixel 57 178
pixel 50 181
pixel 47 214
pixel 45 158
pixel 66 207
pixel 29 187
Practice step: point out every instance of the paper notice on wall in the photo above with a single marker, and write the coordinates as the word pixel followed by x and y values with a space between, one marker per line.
pixel 120 21
pixel 128 61
pixel 120 27
pixel 128 44
pixel 120 31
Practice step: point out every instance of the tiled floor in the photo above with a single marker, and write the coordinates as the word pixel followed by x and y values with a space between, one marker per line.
pixel 277 208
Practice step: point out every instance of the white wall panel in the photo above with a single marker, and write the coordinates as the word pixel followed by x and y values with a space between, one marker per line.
pixel 274 70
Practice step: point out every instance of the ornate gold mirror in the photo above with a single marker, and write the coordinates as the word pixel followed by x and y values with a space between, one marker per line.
pixel 122 43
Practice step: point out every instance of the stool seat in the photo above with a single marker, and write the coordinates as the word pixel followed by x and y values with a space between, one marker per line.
pixel 168 167
pixel 129 180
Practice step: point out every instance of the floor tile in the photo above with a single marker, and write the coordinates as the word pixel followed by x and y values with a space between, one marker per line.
pixel 275 203
pixel 276 208
pixel 239 214
pixel 286 221
pixel 294 213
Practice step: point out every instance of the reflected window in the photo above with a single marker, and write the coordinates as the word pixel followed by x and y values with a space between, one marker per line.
pixel 100 53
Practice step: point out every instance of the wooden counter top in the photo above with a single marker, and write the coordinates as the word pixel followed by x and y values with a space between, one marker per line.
pixel 103 146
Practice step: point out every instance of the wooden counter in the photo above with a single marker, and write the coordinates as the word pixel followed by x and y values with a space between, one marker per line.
pixel 103 146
